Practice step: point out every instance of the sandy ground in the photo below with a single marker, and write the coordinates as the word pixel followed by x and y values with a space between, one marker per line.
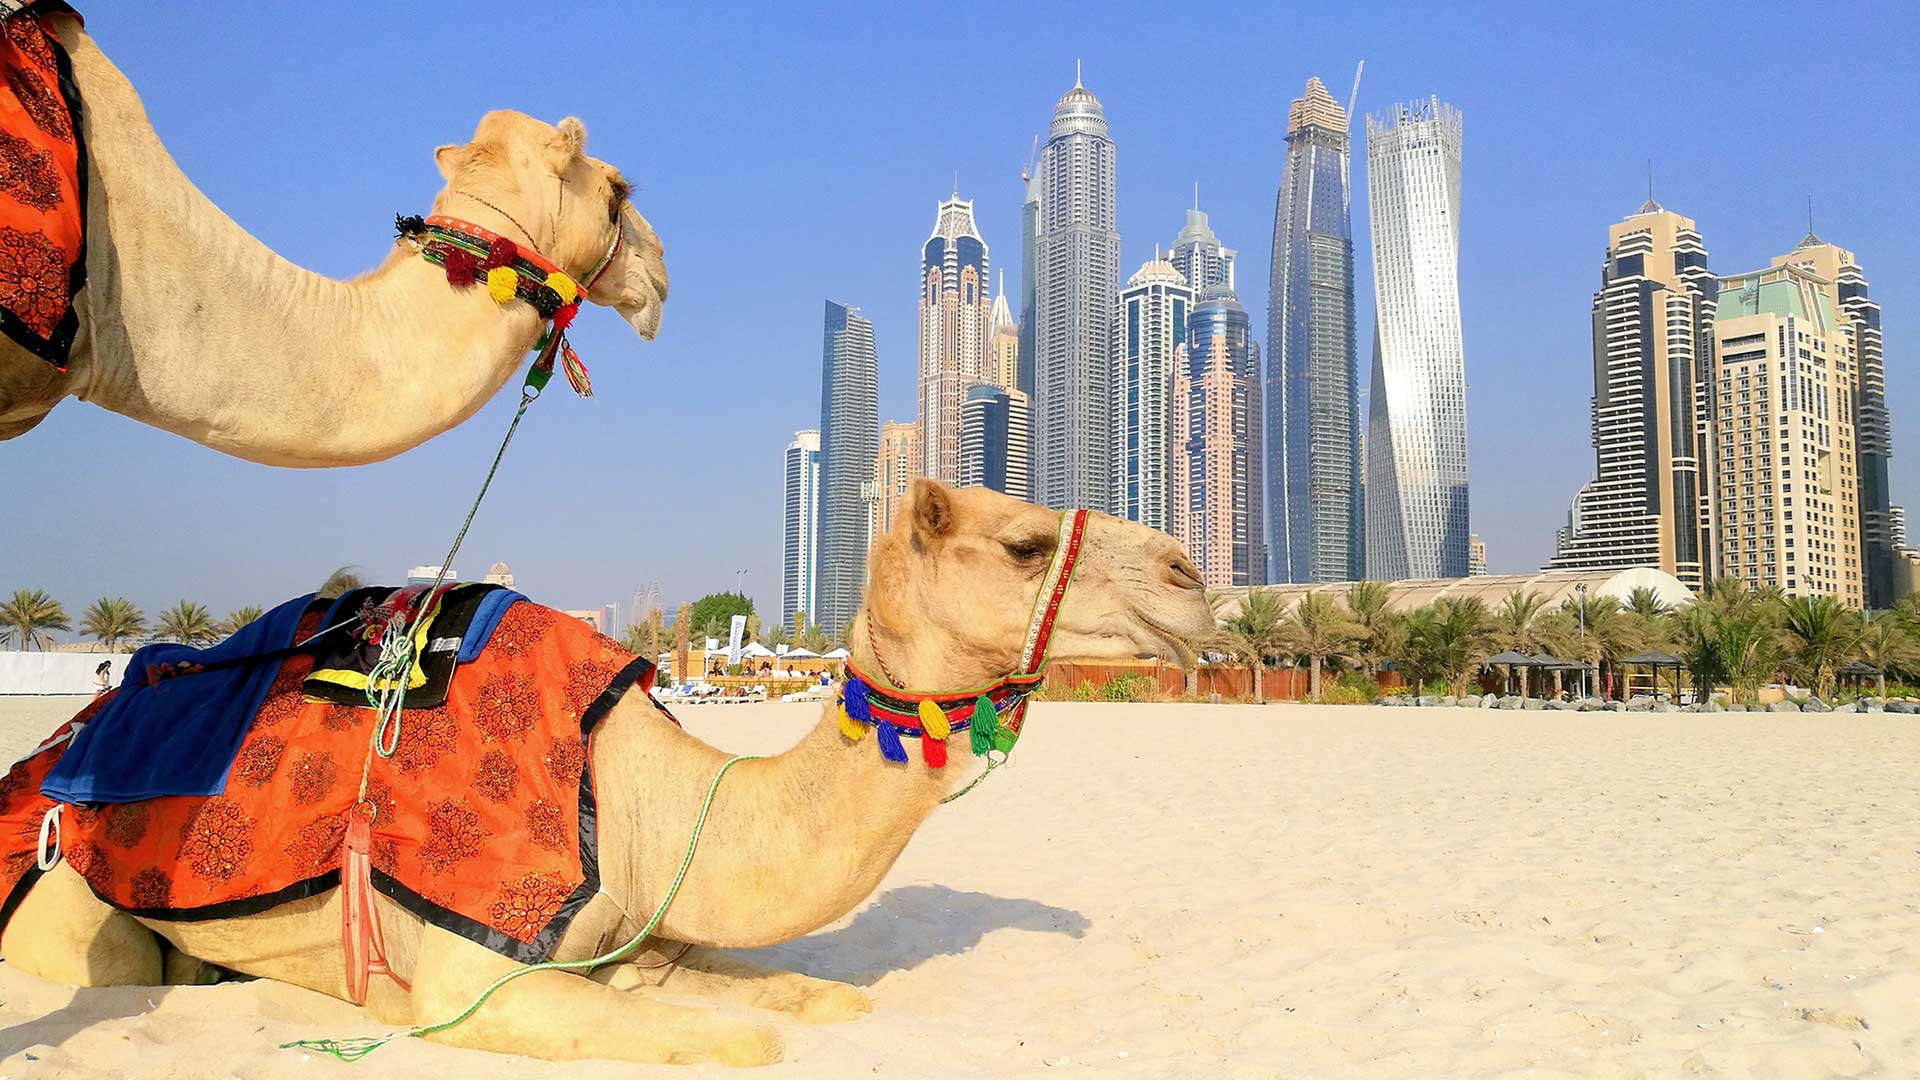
pixel 1282 891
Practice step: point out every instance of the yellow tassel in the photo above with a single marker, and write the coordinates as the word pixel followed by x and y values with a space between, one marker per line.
pixel 563 285
pixel 934 719
pixel 501 283
pixel 851 728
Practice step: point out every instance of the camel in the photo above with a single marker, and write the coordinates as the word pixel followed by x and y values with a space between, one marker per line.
pixel 189 324
pixel 792 843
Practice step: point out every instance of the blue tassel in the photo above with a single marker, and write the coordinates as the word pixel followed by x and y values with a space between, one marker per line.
pixel 856 701
pixel 890 747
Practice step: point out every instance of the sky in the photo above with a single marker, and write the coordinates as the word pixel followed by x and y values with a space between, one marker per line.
pixel 791 156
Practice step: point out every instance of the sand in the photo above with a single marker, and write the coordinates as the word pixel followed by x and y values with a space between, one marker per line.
pixel 1282 891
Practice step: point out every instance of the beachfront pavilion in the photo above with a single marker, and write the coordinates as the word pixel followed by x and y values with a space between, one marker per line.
pixel 1554 587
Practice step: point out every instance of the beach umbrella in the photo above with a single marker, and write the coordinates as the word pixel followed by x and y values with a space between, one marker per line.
pixel 1510 660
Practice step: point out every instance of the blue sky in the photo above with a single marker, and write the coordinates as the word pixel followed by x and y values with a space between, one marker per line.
pixel 788 156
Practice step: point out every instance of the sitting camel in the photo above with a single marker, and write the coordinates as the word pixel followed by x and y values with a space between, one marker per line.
pixel 189 324
pixel 792 842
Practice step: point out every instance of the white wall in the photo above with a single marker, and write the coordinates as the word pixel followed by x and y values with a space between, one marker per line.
pixel 55 672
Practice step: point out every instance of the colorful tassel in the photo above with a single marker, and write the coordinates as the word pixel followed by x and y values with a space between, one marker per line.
pixel 851 728
pixel 501 284
pixel 981 726
pixel 934 751
pixel 576 371
pixel 890 747
pixel 563 285
pixel 855 698
pixel 501 253
pixel 462 268
pixel 934 719
pixel 564 317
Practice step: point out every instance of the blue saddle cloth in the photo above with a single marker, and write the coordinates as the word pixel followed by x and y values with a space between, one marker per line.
pixel 178 736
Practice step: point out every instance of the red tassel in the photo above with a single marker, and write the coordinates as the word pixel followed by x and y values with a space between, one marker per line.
pixel 934 751
pixel 462 268
pixel 563 318
pixel 503 253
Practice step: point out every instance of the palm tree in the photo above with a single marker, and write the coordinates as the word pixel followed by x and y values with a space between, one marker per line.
pixel 187 623
pixel 1448 639
pixel 112 620
pixel 238 618
pixel 813 639
pixel 777 635
pixel 1749 650
pixel 1517 624
pixel 1645 602
pixel 1383 630
pixel 1820 634
pixel 1884 643
pixel 27 619
pixel 1256 634
pixel 1601 634
pixel 1318 630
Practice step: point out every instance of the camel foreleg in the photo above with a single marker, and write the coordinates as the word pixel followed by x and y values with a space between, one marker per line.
pixel 712 973
pixel 65 934
pixel 559 1015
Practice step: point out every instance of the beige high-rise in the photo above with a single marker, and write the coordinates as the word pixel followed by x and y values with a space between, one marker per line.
pixel 893 471
pixel 1003 348
pixel 1648 504
pixel 1785 471
pixel 955 324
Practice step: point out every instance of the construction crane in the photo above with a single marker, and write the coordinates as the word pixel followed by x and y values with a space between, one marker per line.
pixel 1355 94
pixel 1033 155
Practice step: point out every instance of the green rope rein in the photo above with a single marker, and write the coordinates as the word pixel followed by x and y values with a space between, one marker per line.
pixel 387 681
pixel 350 1050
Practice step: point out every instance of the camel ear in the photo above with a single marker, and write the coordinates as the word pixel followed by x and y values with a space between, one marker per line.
pixel 573 136
pixel 448 158
pixel 932 509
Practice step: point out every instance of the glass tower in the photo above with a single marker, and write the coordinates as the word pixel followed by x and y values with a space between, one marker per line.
pixel 1417 410
pixel 801 535
pixel 849 442
pixel 1153 325
pixel 1315 521
pixel 956 318
pixel 1217 490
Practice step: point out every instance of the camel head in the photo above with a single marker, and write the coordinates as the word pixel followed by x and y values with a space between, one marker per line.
pixel 571 206
pixel 954 583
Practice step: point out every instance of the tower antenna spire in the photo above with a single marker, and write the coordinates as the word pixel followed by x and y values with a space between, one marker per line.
pixel 1076 73
pixel 1649 179
pixel 1809 213
pixel 1196 194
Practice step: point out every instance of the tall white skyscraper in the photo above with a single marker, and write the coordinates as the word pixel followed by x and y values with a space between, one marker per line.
pixel 1417 427
pixel 956 319
pixel 1077 256
pixel 801 534
pixel 849 442
pixel 1153 325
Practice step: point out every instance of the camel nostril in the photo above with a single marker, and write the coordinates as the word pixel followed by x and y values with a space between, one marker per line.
pixel 1185 575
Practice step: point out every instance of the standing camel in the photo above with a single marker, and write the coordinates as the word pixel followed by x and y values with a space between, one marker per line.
pixel 792 842
pixel 189 324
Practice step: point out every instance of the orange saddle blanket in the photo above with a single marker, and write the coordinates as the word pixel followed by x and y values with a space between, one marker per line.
pixel 482 820
pixel 42 183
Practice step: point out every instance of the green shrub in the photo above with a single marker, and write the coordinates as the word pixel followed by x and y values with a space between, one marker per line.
pixel 1360 683
pixel 1127 688
pixel 1342 694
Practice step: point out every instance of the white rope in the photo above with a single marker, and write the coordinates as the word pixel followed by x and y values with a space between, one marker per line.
pixel 49 822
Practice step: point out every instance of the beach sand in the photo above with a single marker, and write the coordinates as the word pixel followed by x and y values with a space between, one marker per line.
pixel 1279 891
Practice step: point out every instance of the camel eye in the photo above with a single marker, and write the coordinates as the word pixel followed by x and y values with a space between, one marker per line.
pixel 1027 550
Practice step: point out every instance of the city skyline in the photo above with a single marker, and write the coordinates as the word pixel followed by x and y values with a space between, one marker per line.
pixel 852 212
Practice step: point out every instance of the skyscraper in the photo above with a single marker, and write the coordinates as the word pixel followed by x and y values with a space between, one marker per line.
pixel 893 471
pixel 1197 254
pixel 1417 440
pixel 1217 486
pixel 1652 352
pixel 1316 523
pixel 801 535
pixel 1003 345
pixel 1077 260
pixel 994 450
pixel 1880 539
pixel 955 321
pixel 1029 281
pixel 1789 496
pixel 849 441
pixel 1154 309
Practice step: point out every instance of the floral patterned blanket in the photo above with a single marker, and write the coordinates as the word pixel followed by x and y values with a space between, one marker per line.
pixel 483 818
pixel 42 183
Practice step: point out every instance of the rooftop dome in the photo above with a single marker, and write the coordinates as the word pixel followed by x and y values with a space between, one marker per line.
pixel 1077 112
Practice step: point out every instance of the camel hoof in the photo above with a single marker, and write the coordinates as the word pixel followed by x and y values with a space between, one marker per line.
pixel 833 1004
pixel 755 1044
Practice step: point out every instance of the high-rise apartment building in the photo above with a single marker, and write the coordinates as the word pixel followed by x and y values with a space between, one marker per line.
pixel 1197 254
pixel 1077 263
pixel 1217 490
pixel 893 472
pixel 1476 556
pixel 801 535
pixel 1649 503
pixel 1880 537
pixel 1029 281
pixel 994 440
pixel 1154 308
pixel 1416 514
pixel 1784 466
pixel 1316 527
pixel 849 441
pixel 1003 344
pixel 956 319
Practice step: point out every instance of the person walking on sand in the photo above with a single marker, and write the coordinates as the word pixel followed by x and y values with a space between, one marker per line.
pixel 103 678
